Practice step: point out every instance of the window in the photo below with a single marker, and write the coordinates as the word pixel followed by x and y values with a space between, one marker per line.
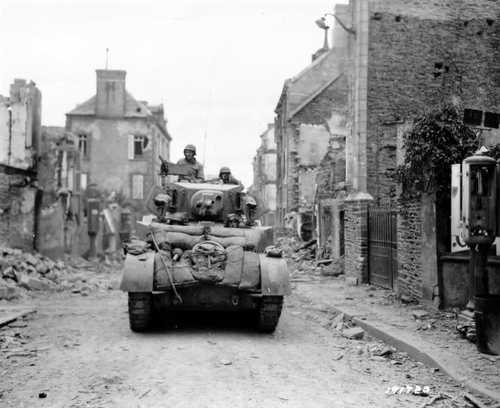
pixel 83 180
pixel 491 120
pixel 473 117
pixel 83 145
pixel 137 186
pixel 136 146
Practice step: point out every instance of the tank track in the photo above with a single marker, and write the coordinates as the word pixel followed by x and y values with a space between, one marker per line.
pixel 269 313
pixel 140 311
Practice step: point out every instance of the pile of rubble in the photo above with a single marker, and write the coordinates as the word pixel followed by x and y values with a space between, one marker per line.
pixel 305 263
pixel 22 273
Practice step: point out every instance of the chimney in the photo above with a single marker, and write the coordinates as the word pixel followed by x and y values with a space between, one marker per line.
pixel 111 94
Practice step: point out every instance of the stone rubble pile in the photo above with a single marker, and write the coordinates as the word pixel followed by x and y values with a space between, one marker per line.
pixel 22 273
pixel 302 260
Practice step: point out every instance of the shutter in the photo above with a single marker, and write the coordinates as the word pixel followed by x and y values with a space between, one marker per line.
pixel 71 175
pixel 83 181
pixel 456 198
pixel 138 186
pixel 130 147
pixel 141 187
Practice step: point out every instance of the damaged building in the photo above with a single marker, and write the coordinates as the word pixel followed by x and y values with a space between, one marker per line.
pixel 264 177
pixel 119 139
pixel 20 130
pixel 60 216
pixel 311 115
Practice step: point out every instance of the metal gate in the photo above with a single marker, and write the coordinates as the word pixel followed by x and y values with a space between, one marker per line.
pixel 382 247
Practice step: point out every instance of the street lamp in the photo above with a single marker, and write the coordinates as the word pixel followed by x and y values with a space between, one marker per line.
pixel 321 23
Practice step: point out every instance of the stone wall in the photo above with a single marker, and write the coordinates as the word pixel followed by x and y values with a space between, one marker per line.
pixel 17 211
pixel 409 232
pixel 421 54
pixel 356 238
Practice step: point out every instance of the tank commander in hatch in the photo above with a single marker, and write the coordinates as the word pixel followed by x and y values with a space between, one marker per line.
pixel 190 159
pixel 226 177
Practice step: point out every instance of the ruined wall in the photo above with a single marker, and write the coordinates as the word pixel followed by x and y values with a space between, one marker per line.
pixel 60 215
pixel 17 212
pixel 324 118
pixel 265 175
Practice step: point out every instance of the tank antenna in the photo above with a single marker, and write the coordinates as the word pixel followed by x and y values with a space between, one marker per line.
pixel 107 57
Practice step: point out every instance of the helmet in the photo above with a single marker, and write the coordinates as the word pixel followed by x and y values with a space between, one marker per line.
pixel 224 170
pixel 191 148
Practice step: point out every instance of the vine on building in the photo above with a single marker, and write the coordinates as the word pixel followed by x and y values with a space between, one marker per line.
pixel 436 140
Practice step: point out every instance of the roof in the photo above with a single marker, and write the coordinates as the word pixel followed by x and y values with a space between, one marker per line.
pixel 313 95
pixel 133 108
pixel 308 83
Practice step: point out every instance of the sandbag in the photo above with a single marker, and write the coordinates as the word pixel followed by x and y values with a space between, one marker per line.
pixel 250 277
pixel 234 266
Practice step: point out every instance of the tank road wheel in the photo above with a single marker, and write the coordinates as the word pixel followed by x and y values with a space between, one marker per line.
pixel 269 313
pixel 140 310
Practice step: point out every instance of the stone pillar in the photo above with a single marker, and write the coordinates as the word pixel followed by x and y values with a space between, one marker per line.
pixel 356 236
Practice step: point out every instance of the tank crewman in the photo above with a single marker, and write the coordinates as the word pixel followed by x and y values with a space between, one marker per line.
pixel 189 159
pixel 226 177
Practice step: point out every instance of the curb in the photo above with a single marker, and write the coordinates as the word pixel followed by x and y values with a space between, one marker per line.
pixel 14 315
pixel 428 357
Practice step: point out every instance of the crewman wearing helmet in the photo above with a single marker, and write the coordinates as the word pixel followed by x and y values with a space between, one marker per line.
pixel 226 177
pixel 189 159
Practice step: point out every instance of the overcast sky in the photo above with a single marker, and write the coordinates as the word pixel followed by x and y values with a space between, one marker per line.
pixel 217 65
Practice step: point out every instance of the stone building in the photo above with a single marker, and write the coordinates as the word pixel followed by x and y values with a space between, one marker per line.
pixel 119 139
pixel 407 57
pixel 264 177
pixel 20 129
pixel 311 111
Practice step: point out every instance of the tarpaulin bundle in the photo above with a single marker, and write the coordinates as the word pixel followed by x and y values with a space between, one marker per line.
pixel 187 236
pixel 209 261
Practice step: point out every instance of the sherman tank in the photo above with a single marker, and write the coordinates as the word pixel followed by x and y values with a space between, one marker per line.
pixel 203 252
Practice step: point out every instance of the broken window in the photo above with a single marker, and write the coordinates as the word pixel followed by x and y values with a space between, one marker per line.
pixel 83 145
pixel 491 120
pixel 473 117
pixel 137 186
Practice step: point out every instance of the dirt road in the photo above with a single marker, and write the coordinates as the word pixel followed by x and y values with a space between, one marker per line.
pixel 78 351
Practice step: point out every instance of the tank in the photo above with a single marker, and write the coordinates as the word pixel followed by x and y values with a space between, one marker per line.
pixel 203 252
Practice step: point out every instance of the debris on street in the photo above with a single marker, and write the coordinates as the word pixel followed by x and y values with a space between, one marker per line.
pixel 22 273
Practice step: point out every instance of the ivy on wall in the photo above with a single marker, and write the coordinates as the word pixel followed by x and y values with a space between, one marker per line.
pixel 436 140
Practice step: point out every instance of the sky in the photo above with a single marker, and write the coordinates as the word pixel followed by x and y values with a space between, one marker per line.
pixel 218 66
